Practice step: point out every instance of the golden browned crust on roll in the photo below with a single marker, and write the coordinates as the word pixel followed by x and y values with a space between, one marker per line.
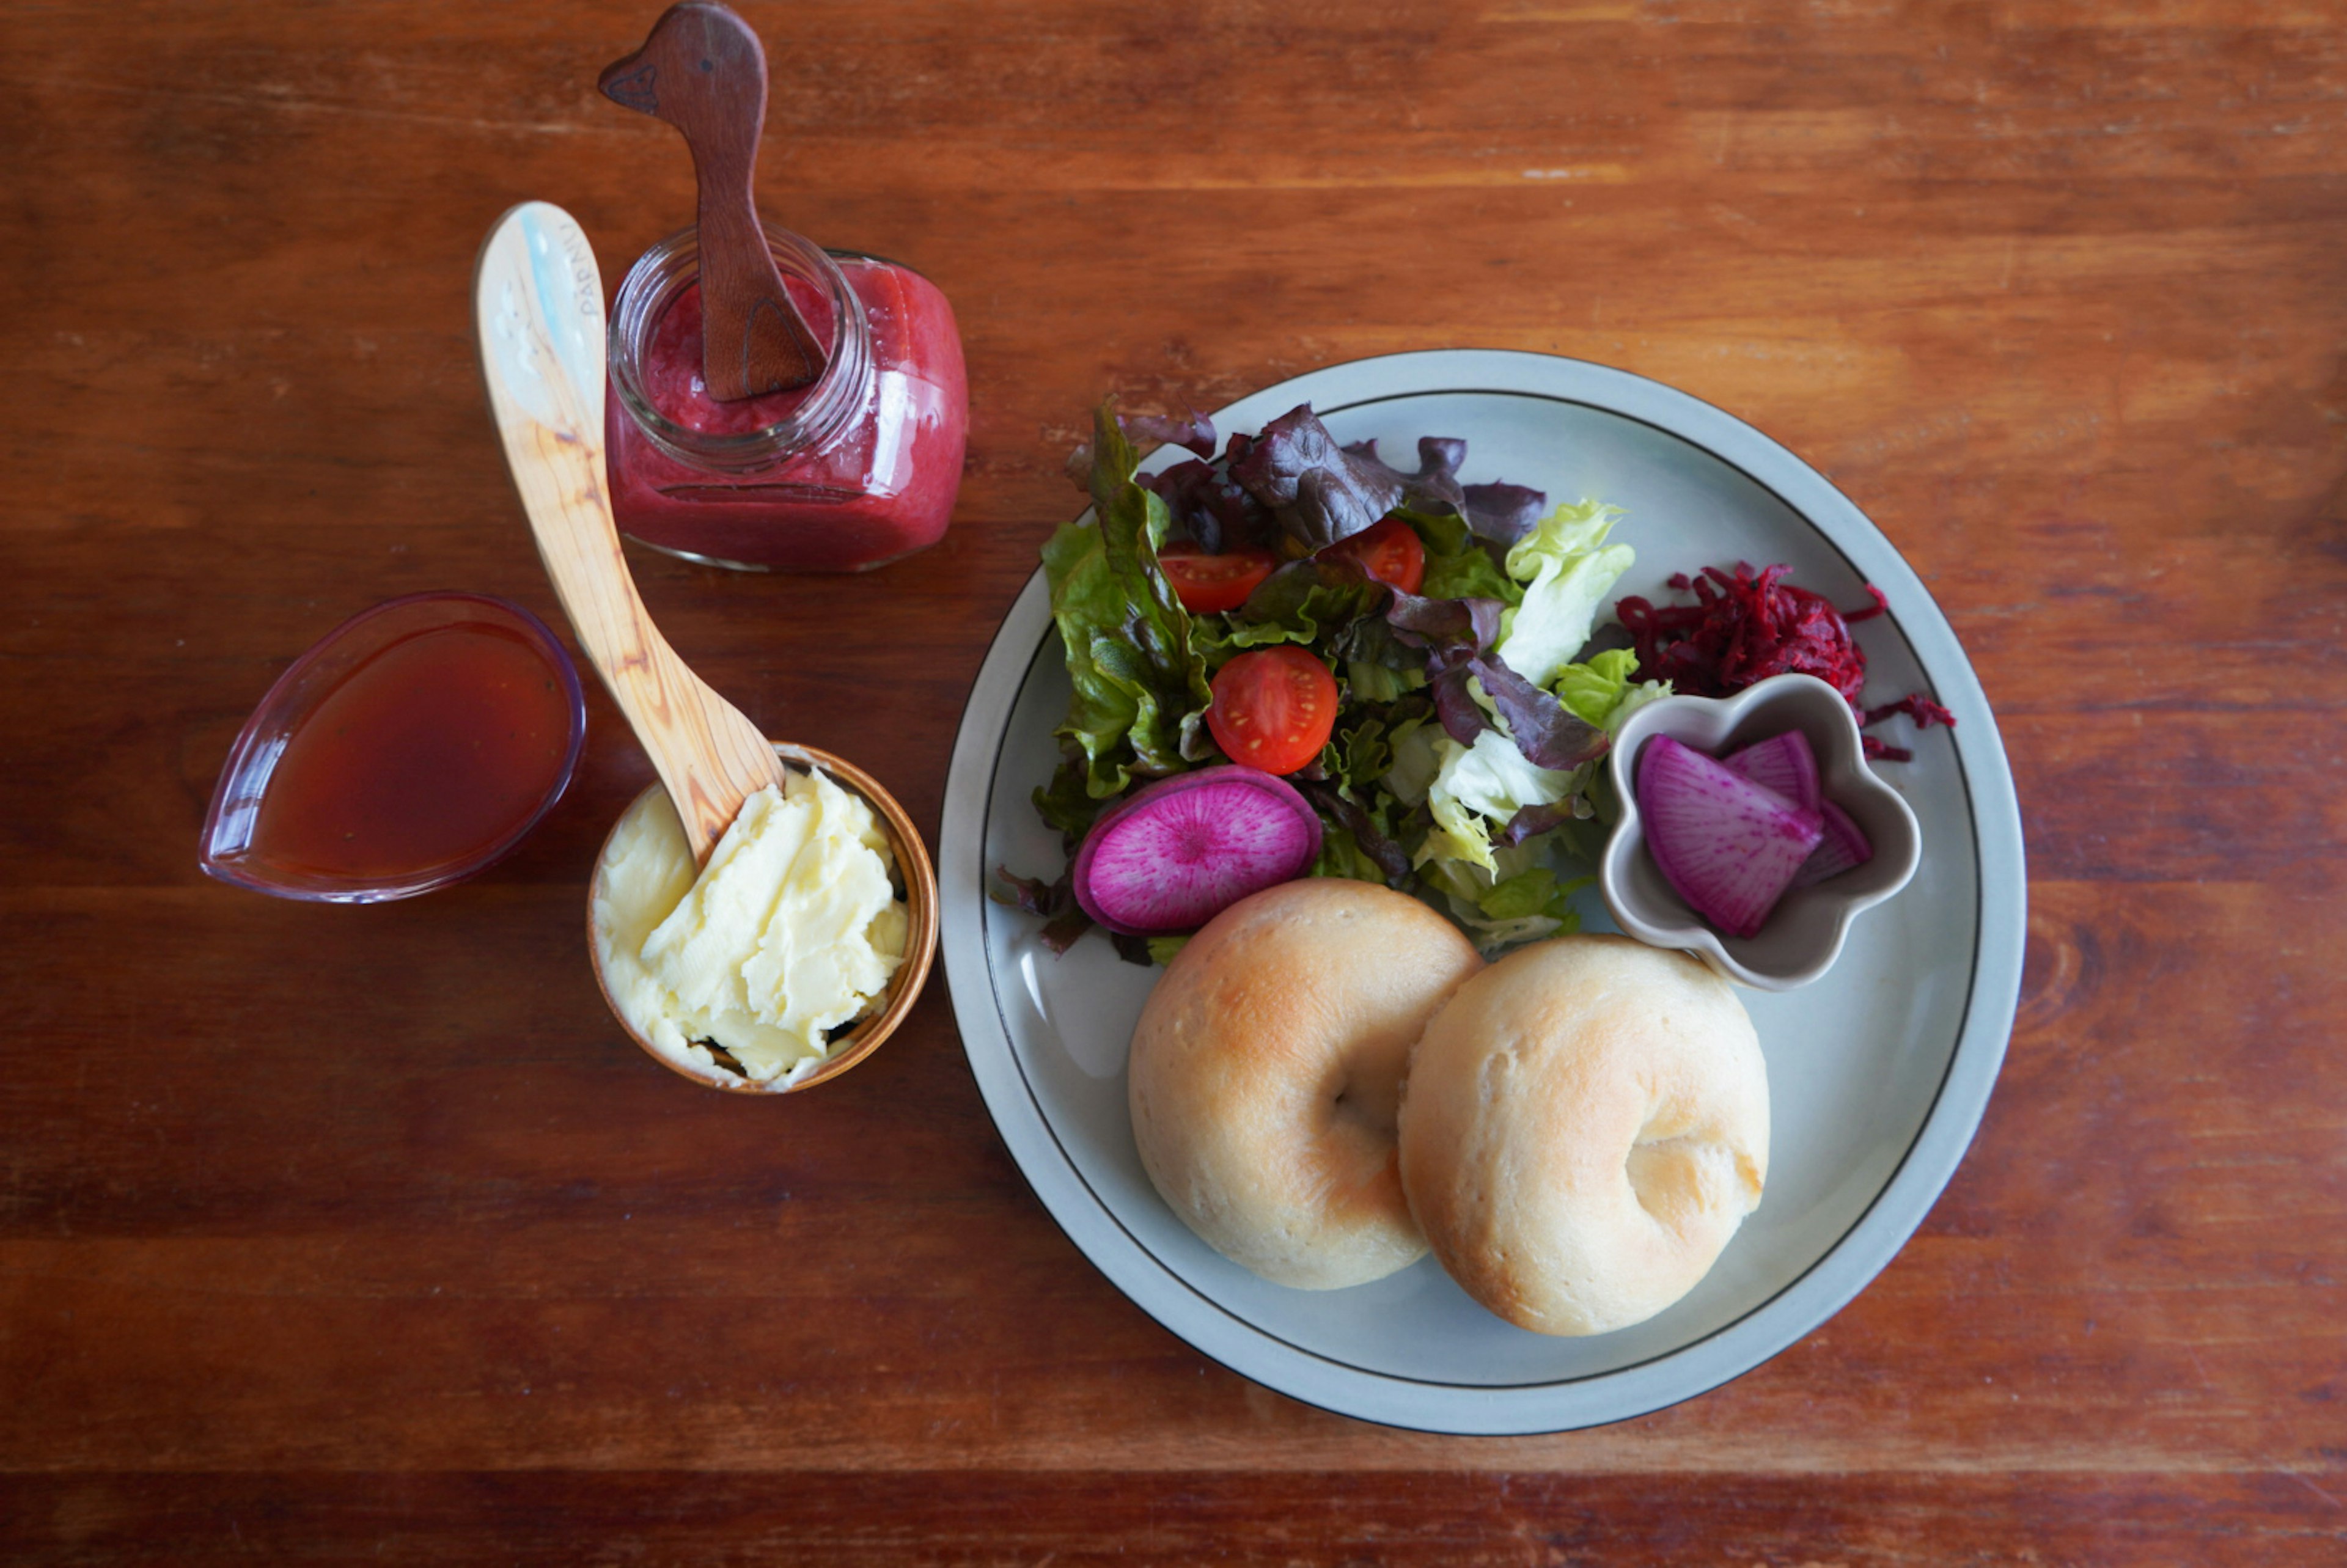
pixel 1266 1068
pixel 1586 1126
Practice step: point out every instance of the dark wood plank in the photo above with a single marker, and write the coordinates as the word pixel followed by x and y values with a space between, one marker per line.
pixel 1406 1517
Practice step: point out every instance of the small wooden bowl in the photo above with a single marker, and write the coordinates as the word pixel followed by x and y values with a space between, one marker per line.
pixel 864 1036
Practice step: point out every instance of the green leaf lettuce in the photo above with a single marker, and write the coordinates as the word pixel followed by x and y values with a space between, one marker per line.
pixel 1139 685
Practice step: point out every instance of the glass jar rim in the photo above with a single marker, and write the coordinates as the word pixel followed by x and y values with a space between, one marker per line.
pixel 653 286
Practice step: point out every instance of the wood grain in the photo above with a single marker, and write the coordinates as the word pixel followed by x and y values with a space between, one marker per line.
pixel 350 1234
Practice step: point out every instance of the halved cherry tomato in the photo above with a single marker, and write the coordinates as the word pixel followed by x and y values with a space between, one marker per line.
pixel 1273 707
pixel 1389 550
pixel 1203 582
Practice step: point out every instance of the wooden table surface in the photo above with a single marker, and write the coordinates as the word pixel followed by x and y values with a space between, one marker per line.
pixel 342 1234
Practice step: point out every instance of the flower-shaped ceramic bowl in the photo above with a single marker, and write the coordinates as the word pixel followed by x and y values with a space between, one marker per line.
pixel 1804 933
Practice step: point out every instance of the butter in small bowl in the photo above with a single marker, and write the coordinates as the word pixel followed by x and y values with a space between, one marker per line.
pixel 1803 935
pixel 790 956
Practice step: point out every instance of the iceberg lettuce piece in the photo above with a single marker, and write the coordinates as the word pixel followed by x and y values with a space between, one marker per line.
pixel 1478 785
pixel 1567 568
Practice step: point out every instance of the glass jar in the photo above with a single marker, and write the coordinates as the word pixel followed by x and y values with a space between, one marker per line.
pixel 856 470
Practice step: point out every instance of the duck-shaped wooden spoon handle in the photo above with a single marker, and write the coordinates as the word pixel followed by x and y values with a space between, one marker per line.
pixel 703 72
pixel 538 304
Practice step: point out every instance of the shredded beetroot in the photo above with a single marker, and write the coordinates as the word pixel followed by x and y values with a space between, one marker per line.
pixel 1916 706
pixel 1741 629
pixel 1744 627
pixel 1880 606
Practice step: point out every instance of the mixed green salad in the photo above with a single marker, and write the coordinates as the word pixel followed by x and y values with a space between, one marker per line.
pixel 1453 748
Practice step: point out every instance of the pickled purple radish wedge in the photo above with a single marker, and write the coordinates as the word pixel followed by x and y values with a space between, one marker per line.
pixel 1842 847
pixel 1185 849
pixel 1729 847
pixel 1784 763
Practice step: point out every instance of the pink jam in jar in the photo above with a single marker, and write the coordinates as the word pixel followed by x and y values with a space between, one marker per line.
pixel 856 470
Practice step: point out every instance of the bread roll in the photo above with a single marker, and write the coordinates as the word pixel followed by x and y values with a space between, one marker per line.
pixel 1586 1123
pixel 1266 1068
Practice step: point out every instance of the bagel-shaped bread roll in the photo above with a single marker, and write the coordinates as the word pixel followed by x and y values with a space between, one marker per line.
pixel 1266 1068
pixel 1586 1124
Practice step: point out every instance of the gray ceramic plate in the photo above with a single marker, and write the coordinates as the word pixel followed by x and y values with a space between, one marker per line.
pixel 1878 1073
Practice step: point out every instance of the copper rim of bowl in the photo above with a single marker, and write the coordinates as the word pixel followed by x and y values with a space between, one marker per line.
pixel 866 1035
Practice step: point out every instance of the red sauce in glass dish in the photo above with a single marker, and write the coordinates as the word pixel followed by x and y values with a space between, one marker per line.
pixel 434 750
pixel 413 746
pixel 857 470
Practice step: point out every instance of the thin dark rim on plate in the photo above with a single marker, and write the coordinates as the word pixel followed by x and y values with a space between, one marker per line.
pixel 1977 1048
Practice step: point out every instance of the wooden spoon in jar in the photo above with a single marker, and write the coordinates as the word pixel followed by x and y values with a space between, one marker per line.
pixel 538 302
pixel 703 72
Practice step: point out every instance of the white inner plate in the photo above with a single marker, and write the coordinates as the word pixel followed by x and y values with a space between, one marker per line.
pixel 1878 1073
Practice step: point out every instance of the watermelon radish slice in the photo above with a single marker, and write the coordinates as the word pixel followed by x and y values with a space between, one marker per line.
pixel 1185 849
pixel 1782 764
pixel 1786 764
pixel 1729 847
pixel 1842 847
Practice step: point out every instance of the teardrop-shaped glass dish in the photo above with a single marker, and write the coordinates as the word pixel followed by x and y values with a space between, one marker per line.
pixel 413 746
